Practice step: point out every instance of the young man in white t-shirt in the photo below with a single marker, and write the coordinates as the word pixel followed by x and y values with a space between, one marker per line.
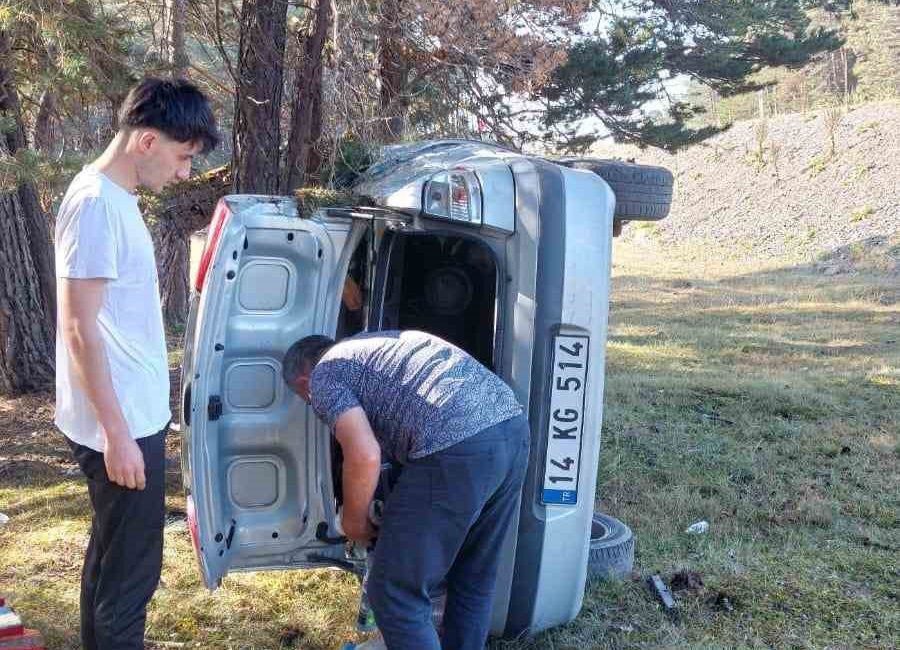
pixel 112 378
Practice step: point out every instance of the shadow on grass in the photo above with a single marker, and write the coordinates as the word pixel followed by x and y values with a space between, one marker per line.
pixel 785 319
pixel 37 507
pixel 26 473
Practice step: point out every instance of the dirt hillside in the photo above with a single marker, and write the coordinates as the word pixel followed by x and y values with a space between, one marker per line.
pixel 777 191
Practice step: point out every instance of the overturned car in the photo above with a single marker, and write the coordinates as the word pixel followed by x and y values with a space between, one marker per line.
pixel 505 255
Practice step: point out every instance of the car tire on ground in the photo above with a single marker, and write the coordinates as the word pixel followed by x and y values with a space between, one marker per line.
pixel 612 549
pixel 643 192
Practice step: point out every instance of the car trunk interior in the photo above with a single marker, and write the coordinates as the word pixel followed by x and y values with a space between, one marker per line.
pixel 443 284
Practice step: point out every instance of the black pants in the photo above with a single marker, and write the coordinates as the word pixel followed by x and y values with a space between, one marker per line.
pixel 124 556
pixel 446 519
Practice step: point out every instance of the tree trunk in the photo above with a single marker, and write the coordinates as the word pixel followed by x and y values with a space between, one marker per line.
pixel 172 258
pixel 36 222
pixel 26 334
pixel 257 112
pixel 393 71
pixel 179 61
pixel 171 241
pixel 183 209
pixel 43 123
pixel 306 115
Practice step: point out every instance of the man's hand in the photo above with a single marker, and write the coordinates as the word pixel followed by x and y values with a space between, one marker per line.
pixel 361 531
pixel 124 462
pixel 352 295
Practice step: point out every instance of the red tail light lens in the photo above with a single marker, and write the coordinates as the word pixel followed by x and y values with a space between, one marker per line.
pixel 192 528
pixel 216 226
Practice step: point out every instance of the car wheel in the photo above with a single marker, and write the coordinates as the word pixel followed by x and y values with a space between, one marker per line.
pixel 643 192
pixel 612 549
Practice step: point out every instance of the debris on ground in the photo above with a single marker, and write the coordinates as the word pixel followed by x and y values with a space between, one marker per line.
pixel 290 635
pixel 685 580
pixel 627 628
pixel 176 520
pixel 13 633
pixel 662 592
pixel 723 602
pixel 697 528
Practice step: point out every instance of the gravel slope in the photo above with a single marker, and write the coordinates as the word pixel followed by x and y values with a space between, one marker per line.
pixel 794 200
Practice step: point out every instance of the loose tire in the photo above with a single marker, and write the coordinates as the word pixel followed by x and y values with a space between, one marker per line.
pixel 643 192
pixel 612 549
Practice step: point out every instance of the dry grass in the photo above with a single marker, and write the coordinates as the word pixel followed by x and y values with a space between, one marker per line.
pixel 764 400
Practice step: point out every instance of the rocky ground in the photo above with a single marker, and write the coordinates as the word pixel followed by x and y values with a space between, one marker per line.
pixel 774 189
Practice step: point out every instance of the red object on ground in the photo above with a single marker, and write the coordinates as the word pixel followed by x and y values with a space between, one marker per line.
pixel 14 635
pixel 28 640
pixel 10 623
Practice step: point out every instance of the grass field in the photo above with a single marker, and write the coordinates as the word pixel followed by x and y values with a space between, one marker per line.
pixel 763 400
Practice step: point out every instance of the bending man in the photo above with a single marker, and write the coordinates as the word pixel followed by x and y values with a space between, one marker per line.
pixel 461 437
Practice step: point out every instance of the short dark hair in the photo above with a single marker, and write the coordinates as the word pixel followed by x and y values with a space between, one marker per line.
pixel 175 107
pixel 304 355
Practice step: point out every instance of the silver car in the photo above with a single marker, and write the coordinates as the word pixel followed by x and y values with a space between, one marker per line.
pixel 505 255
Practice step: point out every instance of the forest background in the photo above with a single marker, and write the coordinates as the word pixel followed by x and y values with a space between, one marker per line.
pixel 305 93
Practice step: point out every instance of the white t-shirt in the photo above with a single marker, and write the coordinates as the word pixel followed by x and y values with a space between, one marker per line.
pixel 100 234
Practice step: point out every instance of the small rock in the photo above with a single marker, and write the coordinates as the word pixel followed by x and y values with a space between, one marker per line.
pixel 3 519
pixel 697 528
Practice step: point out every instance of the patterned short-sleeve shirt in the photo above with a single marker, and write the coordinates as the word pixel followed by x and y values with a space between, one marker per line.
pixel 420 393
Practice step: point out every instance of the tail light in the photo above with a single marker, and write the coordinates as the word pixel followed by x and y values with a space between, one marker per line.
pixel 455 195
pixel 193 530
pixel 216 226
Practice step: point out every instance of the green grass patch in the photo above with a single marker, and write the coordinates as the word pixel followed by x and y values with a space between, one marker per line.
pixel 763 400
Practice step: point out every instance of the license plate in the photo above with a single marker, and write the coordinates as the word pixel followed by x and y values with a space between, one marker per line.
pixel 567 391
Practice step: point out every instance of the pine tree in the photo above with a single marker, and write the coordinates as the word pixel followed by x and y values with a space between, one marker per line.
pixel 260 72
pixel 26 285
pixel 614 76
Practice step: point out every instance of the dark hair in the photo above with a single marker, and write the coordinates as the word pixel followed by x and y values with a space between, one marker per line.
pixel 303 355
pixel 175 107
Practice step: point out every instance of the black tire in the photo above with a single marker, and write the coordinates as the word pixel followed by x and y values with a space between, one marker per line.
pixel 643 192
pixel 612 549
